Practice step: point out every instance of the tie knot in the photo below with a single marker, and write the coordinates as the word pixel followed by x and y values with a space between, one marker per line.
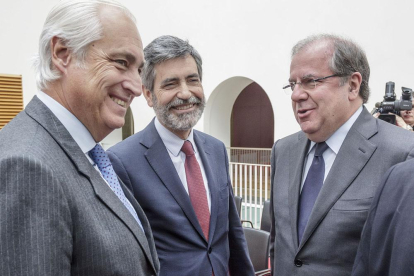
pixel 187 148
pixel 100 157
pixel 320 148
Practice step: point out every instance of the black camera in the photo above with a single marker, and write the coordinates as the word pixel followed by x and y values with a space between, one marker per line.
pixel 391 105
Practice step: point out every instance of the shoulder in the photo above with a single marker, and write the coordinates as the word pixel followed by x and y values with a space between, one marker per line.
pixel 394 138
pixel 293 139
pixel 400 176
pixel 207 138
pixel 134 143
pixel 23 136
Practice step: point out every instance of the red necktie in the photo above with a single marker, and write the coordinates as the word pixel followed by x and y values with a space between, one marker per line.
pixel 196 189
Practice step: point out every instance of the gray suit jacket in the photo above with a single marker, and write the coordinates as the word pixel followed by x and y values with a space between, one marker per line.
pixel 58 216
pixel 331 238
pixel 143 163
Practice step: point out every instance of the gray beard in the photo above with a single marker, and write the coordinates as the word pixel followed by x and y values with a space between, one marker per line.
pixel 184 121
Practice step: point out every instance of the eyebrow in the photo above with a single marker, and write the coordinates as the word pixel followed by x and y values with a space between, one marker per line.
pixel 131 58
pixel 167 80
pixel 307 76
pixel 193 75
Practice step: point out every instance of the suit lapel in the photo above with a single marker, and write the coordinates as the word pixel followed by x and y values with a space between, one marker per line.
pixel 148 248
pixel 297 157
pixel 209 167
pixel 160 161
pixel 352 157
pixel 42 114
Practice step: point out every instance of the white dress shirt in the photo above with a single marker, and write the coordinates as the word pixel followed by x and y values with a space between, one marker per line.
pixel 76 129
pixel 334 142
pixel 173 143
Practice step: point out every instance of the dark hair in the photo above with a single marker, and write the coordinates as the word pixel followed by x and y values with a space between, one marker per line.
pixel 165 48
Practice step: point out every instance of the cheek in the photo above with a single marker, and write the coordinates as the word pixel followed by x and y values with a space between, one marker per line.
pixel 200 93
pixel 294 109
pixel 167 97
pixel 103 75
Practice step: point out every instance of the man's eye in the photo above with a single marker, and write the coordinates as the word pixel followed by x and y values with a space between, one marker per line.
pixel 121 62
pixel 169 85
pixel 307 81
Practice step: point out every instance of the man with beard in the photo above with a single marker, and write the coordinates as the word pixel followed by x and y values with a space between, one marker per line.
pixel 180 175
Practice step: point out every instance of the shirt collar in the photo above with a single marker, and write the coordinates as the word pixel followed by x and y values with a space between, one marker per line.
pixel 335 141
pixel 172 142
pixel 76 129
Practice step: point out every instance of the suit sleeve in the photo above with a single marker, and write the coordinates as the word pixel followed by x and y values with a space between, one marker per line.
pixel 386 246
pixel 35 228
pixel 239 262
pixel 410 154
pixel 272 224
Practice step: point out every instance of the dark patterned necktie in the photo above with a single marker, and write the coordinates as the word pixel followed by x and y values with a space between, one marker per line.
pixel 196 189
pixel 101 159
pixel 311 187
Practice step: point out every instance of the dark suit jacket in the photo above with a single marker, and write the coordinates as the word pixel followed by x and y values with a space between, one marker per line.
pixel 58 216
pixel 387 242
pixel 331 238
pixel 143 163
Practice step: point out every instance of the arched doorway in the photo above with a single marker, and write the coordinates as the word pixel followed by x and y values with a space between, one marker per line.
pixel 217 115
pixel 252 121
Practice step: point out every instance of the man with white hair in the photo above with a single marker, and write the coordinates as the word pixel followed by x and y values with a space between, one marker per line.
pixel 63 210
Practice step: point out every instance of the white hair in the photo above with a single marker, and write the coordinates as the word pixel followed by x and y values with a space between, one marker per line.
pixel 77 24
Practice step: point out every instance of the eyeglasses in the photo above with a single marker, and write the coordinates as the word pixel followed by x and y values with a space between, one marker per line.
pixel 309 84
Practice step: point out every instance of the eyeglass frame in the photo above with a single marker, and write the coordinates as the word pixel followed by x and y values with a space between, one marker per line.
pixel 313 80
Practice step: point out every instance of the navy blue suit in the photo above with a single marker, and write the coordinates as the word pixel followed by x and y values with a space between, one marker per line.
pixel 143 164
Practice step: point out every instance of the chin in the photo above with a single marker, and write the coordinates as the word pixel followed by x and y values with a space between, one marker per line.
pixel 115 124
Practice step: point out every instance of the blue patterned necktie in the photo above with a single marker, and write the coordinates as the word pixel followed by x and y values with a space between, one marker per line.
pixel 311 187
pixel 101 159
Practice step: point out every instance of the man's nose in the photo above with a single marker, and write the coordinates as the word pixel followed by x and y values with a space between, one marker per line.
pixel 133 84
pixel 298 94
pixel 185 92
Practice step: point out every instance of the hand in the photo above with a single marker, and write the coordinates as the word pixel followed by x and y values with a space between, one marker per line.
pixel 400 122
pixel 376 115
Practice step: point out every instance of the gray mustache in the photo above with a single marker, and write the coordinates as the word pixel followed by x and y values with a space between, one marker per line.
pixel 177 101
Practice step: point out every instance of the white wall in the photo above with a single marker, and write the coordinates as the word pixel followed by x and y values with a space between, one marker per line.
pixel 244 38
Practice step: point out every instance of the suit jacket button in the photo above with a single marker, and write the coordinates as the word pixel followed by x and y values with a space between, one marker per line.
pixel 298 263
pixel 209 250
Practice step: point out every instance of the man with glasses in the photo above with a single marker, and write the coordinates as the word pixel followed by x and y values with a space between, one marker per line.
pixel 324 176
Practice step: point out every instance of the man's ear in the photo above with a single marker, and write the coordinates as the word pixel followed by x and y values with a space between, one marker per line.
pixel 354 85
pixel 148 96
pixel 61 56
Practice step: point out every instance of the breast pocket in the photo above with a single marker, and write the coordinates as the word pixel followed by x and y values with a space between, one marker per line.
pixel 353 204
